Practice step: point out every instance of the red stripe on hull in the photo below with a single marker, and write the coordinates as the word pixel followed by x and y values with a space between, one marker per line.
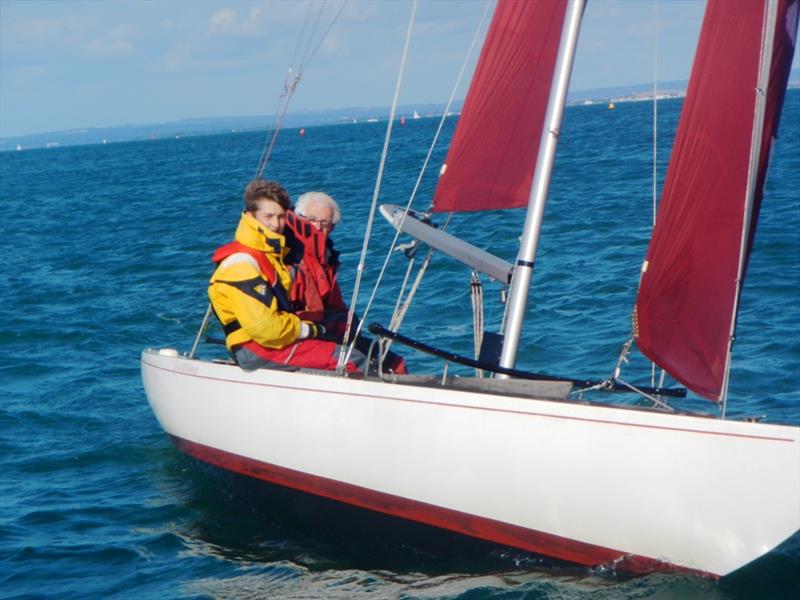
pixel 480 527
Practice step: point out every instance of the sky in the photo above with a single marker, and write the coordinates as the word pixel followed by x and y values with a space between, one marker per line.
pixel 74 64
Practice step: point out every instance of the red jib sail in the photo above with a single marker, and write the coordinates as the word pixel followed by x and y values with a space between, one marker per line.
pixel 491 158
pixel 687 297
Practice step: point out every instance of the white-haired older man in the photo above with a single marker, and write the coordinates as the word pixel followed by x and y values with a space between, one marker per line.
pixel 320 209
pixel 315 289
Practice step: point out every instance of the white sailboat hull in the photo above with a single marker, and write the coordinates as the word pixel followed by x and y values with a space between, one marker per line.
pixel 583 483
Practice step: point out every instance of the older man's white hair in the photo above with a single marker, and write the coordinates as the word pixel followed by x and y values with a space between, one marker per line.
pixel 305 201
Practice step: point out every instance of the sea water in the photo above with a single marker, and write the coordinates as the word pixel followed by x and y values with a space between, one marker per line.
pixel 107 251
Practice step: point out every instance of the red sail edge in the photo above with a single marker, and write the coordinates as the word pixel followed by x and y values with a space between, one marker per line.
pixel 685 308
pixel 490 161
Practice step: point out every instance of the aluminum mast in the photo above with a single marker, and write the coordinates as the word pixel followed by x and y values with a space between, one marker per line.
pixel 520 284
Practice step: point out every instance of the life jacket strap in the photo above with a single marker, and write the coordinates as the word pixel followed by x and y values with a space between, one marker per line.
pixel 229 328
pixel 265 266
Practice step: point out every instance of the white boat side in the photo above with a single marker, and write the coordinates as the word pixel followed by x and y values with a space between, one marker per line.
pixel 691 492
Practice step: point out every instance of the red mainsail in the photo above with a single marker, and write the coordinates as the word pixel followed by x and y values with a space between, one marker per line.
pixel 491 158
pixel 685 309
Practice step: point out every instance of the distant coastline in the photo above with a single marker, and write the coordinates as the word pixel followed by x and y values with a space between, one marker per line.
pixel 311 118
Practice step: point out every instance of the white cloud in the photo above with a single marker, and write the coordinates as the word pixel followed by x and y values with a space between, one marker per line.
pixel 227 21
pixel 118 41
pixel 335 45
pixel 223 21
pixel 439 27
pixel 41 31
pixel 645 31
pixel 168 24
pixel 254 22
pixel 29 72
pixel 108 47
pixel 174 60
pixel 74 33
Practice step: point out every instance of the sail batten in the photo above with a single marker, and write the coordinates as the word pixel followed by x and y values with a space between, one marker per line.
pixel 490 161
pixel 696 262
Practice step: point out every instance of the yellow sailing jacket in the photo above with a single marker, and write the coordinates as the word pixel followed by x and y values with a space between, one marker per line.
pixel 249 294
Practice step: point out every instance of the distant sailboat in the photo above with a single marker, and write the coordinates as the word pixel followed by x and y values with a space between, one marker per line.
pixel 514 460
pixel 416 115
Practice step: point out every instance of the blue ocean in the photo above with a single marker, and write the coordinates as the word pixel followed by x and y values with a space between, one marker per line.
pixel 108 252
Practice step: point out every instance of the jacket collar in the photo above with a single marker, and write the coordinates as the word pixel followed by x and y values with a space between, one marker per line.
pixel 253 234
pixel 303 237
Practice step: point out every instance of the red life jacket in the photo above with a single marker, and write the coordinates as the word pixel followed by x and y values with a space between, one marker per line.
pixel 314 284
pixel 264 265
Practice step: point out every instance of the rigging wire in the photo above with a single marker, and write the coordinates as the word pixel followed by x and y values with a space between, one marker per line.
pixel 289 86
pixel 476 296
pixel 200 332
pixel 293 78
pixel 399 315
pixel 626 347
pixel 302 32
pixel 655 114
pixel 655 149
pixel 411 251
pixel 313 31
pixel 323 37
pixel 411 198
pixel 343 356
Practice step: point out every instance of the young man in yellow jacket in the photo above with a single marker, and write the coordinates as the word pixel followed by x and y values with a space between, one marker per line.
pixel 249 292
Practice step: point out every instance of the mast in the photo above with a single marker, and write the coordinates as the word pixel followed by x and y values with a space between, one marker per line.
pixel 761 92
pixel 518 295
